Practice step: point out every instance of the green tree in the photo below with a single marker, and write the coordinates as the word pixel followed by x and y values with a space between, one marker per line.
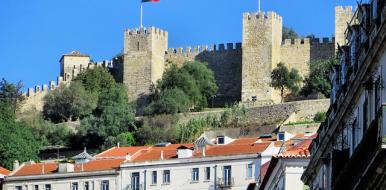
pixel 194 79
pixel 124 139
pixel 11 93
pixel 171 101
pixel 97 80
pixel 319 80
pixel 289 33
pixel 204 78
pixel 115 115
pixel 17 141
pixel 45 131
pixel 283 79
pixel 68 103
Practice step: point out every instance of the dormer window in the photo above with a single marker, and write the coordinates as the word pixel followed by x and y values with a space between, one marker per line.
pixel 281 136
pixel 220 140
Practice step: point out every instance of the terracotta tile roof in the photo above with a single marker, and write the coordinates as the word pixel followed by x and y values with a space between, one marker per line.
pixel 4 171
pixel 244 141
pixel 230 149
pixel 299 150
pixel 36 169
pixel 120 151
pixel 97 165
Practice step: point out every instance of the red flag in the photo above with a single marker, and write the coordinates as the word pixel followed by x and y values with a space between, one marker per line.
pixel 153 1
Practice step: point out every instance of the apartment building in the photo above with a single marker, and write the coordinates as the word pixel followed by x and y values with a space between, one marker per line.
pixel 285 169
pixel 350 150
pixel 212 164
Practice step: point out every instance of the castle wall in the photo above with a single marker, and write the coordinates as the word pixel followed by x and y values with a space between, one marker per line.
pixel 343 15
pixel 224 61
pixel 260 55
pixel 324 49
pixel 296 54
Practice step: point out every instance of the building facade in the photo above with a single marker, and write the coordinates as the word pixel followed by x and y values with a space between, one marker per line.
pixel 350 150
pixel 210 164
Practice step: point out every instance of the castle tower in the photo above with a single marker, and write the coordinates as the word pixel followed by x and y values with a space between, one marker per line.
pixel 262 37
pixel 343 15
pixel 144 60
pixel 73 63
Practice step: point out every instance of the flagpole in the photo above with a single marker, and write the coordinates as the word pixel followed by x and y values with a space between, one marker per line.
pixel 259 6
pixel 141 14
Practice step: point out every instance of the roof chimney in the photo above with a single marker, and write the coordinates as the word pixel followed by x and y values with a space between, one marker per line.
pixel 184 152
pixel 16 165
pixel 203 151
pixel 118 144
pixel 65 167
pixel 43 168
pixel 162 154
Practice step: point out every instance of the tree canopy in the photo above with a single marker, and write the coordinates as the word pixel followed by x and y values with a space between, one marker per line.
pixel 183 88
pixel 283 79
pixel 289 33
pixel 318 81
pixel 17 141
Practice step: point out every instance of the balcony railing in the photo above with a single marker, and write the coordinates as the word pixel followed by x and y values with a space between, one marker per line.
pixel 135 187
pixel 225 182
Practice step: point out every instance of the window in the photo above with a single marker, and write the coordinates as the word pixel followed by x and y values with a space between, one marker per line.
pixel 195 174
pixel 365 115
pixel 36 187
pixel 86 185
pixel 105 185
pixel 249 170
pixel 281 136
pixel 166 177
pixel 207 173
pixel 154 177
pixel 92 185
pixel 227 175
pixel 135 181
pixel 47 187
pixel 74 186
pixel 18 188
pixel 220 140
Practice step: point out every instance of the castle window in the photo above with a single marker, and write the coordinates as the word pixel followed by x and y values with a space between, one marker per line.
pixel 254 98
pixel 138 46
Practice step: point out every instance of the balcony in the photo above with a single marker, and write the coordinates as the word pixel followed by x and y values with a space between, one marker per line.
pixel 360 170
pixel 135 187
pixel 225 183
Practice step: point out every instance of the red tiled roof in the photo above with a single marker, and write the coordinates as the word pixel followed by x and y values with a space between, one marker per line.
pixel 230 149
pixel 299 150
pixel 4 171
pixel 120 151
pixel 97 165
pixel 36 169
pixel 244 141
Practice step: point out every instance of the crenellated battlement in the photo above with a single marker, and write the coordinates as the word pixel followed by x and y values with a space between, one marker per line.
pixel 255 16
pixel 343 9
pixel 40 89
pixel 298 41
pixel 146 31
pixel 195 50
pixel 323 41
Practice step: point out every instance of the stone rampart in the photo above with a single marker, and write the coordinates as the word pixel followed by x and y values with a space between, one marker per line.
pixel 224 60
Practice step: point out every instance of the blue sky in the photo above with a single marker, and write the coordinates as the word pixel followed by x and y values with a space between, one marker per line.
pixel 35 33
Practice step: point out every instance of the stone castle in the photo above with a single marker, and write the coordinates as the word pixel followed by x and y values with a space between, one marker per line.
pixel 242 70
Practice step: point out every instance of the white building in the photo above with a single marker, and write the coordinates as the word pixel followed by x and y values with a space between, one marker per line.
pixel 220 163
pixel 285 169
